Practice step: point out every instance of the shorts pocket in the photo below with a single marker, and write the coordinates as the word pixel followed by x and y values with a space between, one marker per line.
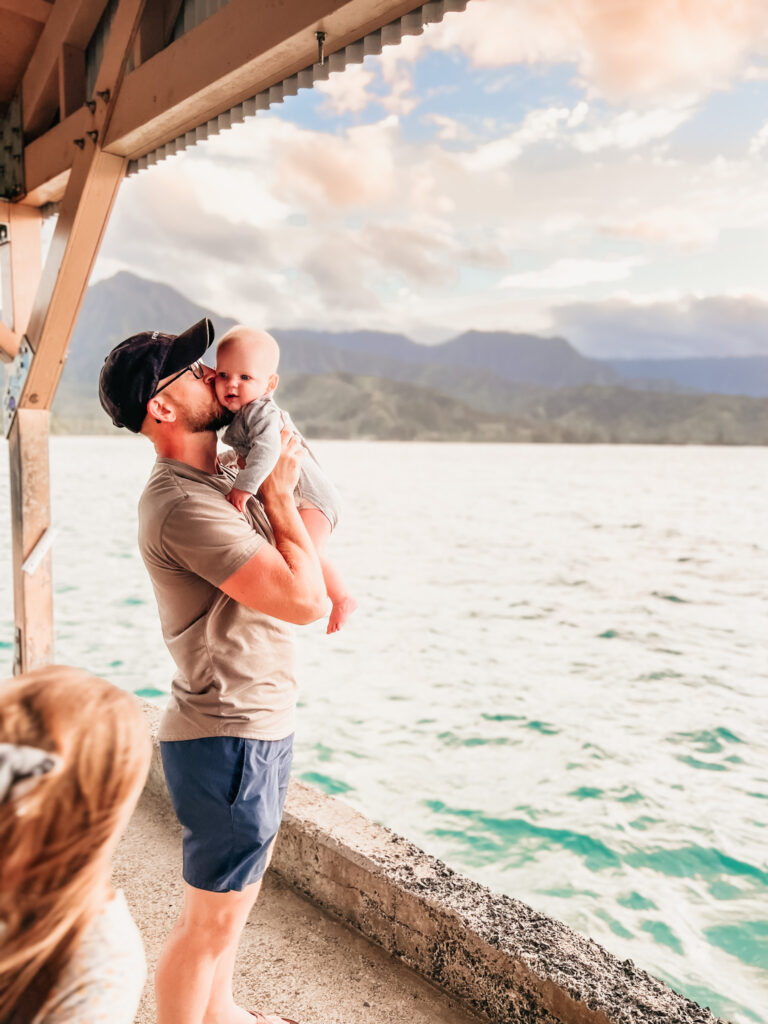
pixel 238 774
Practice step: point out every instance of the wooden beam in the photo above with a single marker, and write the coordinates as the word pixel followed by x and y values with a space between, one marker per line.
pixel 90 194
pixel 9 343
pixel 85 210
pixel 30 519
pixel 48 159
pixel 238 51
pixel 35 10
pixel 71 79
pixel 20 267
pixel 72 22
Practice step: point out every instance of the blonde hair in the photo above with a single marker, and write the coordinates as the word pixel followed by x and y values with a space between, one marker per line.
pixel 260 342
pixel 57 839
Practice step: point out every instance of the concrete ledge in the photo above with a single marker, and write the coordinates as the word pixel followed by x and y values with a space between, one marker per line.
pixel 495 953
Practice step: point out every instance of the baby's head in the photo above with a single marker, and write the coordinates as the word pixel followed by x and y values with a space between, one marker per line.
pixel 246 366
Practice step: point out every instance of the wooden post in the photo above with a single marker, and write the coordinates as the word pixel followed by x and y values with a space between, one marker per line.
pixel 21 259
pixel 20 266
pixel 30 519
pixel 49 313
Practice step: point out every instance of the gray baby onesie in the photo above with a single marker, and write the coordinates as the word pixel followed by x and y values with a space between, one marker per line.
pixel 254 434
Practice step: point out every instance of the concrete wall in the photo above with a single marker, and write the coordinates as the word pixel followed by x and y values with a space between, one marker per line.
pixel 502 958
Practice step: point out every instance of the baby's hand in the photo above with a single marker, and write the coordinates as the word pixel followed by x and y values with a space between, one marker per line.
pixel 239 498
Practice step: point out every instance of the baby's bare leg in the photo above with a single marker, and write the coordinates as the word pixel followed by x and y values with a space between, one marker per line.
pixel 319 530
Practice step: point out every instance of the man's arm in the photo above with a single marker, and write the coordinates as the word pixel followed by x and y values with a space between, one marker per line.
pixel 286 580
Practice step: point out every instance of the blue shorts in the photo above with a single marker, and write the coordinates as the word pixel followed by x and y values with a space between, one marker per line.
pixel 228 793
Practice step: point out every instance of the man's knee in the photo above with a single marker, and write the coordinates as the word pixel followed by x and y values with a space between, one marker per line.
pixel 212 922
pixel 211 934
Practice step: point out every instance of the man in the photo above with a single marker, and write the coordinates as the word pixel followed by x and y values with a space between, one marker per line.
pixel 227 587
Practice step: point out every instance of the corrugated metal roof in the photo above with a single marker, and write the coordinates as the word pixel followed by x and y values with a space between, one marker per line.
pixel 193 12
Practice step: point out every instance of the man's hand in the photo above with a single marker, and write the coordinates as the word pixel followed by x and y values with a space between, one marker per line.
pixel 282 481
pixel 285 581
pixel 239 498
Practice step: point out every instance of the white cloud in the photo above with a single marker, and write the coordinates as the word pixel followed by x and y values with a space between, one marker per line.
pixel 670 225
pixel 690 326
pixel 350 91
pixel 759 141
pixel 578 114
pixel 638 49
pixel 449 129
pixel 347 92
pixel 396 67
pixel 756 73
pixel 571 273
pixel 586 130
pixel 630 129
pixel 537 126
pixel 326 172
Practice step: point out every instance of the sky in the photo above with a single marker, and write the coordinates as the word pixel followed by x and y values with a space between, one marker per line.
pixel 583 168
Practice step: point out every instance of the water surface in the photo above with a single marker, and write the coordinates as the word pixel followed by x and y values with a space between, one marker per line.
pixel 556 680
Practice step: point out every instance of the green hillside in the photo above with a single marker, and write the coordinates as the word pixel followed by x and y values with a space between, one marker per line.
pixel 480 386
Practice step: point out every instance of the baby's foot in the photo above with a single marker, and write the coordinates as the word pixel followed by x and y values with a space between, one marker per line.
pixel 340 612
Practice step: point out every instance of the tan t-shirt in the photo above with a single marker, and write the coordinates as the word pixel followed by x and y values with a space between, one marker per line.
pixel 235 666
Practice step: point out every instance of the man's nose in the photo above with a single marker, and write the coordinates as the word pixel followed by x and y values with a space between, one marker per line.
pixel 208 374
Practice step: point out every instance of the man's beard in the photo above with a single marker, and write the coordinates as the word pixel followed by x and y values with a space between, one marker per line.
pixel 209 420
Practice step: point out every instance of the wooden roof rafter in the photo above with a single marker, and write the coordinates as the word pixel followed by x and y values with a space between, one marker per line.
pixel 35 10
pixel 69 28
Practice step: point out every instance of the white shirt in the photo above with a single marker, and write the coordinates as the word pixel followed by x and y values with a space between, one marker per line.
pixel 103 979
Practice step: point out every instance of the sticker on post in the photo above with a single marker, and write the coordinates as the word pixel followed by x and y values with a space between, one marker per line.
pixel 15 379
pixel 39 551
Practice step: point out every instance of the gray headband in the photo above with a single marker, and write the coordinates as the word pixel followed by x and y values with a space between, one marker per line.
pixel 21 768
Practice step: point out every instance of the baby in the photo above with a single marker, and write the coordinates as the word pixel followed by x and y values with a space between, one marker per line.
pixel 246 377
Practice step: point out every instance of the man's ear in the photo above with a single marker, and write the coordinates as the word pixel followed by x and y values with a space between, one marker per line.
pixel 160 411
pixel 272 382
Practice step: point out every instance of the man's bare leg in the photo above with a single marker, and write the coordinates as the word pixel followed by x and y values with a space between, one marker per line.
pixel 319 530
pixel 222 1007
pixel 198 957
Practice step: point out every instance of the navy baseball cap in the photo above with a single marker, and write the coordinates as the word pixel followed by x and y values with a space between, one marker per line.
pixel 133 369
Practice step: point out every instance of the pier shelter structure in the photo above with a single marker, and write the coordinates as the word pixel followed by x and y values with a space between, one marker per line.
pixel 92 90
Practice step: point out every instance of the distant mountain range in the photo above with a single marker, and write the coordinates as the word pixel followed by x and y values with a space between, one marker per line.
pixel 733 375
pixel 477 386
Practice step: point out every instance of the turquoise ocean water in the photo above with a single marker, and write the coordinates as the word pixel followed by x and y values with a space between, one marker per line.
pixel 556 681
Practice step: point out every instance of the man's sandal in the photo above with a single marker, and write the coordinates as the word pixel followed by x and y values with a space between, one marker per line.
pixel 261 1019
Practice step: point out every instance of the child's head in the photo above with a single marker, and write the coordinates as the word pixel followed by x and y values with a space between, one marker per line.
pixel 246 367
pixel 75 755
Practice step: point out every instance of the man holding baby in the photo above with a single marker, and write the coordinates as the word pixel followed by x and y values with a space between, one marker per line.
pixel 229 584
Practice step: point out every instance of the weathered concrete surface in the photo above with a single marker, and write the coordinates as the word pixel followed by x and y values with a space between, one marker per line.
pixel 492 952
pixel 294 959
pixel 502 957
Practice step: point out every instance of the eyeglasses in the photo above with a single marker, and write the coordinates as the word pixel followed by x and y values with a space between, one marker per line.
pixel 196 369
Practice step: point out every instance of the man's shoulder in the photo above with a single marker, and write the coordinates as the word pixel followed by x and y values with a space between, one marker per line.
pixel 171 481
pixel 175 490
pixel 163 491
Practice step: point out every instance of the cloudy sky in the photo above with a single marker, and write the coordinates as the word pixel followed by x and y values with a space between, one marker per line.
pixel 580 167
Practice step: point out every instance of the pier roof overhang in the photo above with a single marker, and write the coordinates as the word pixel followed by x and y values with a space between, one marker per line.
pixel 188 67
pixel 91 90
